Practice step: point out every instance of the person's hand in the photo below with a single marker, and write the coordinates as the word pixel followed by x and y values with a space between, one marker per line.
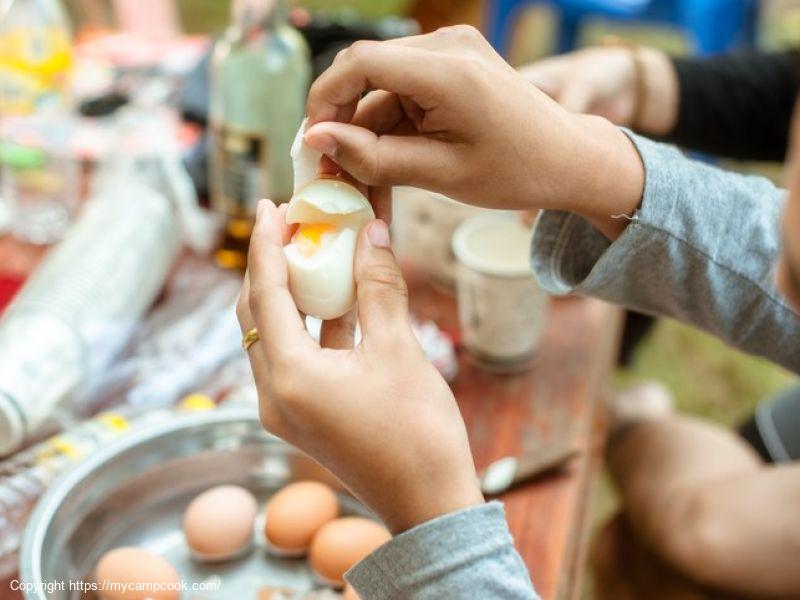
pixel 447 113
pixel 378 415
pixel 596 80
pixel 603 81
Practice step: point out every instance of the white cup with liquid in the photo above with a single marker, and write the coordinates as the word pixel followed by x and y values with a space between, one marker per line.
pixel 501 308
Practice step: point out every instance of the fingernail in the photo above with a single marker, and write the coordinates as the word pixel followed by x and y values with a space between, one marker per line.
pixel 323 143
pixel 378 234
pixel 262 208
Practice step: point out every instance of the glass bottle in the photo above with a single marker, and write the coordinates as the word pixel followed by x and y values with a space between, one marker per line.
pixel 35 56
pixel 39 176
pixel 260 73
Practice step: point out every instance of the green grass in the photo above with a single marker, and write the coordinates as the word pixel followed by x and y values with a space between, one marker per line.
pixel 707 378
pixel 204 16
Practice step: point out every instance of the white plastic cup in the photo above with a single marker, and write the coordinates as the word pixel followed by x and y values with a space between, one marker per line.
pixel 501 308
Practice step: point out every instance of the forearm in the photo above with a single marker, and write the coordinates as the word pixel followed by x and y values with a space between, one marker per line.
pixel 701 248
pixel 613 177
pixel 466 554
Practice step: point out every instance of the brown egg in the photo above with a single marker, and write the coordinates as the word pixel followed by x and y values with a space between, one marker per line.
pixel 350 593
pixel 126 568
pixel 296 513
pixel 218 523
pixel 342 543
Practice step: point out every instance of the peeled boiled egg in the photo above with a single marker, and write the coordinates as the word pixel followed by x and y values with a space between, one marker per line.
pixel 296 513
pixel 330 213
pixel 130 573
pixel 340 544
pixel 218 523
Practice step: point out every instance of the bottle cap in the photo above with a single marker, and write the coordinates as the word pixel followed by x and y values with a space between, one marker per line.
pixel 12 425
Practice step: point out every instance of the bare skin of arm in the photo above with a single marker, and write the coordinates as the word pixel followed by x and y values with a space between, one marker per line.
pixel 446 113
pixel 602 81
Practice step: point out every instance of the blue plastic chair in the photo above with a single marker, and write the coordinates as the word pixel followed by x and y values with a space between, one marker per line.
pixel 712 25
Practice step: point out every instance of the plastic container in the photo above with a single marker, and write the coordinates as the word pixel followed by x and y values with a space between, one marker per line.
pixel 39 176
pixel 37 196
pixel 82 304
pixel 501 308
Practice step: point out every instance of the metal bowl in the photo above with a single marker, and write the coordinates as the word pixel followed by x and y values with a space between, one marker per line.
pixel 134 492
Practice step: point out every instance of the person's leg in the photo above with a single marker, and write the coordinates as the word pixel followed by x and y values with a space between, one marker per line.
pixel 652 461
pixel 704 502
pixel 625 569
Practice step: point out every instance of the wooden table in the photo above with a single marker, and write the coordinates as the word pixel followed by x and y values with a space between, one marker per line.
pixel 561 395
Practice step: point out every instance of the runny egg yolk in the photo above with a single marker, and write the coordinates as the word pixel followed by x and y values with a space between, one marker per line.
pixel 308 237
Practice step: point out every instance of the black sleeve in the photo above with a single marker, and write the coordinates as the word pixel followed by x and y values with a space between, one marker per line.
pixel 737 105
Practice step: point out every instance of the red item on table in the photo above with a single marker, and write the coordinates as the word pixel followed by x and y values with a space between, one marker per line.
pixel 9 286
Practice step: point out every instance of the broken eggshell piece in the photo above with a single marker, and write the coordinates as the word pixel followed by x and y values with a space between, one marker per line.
pixel 330 213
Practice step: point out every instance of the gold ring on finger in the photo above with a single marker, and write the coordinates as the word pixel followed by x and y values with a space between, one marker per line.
pixel 250 338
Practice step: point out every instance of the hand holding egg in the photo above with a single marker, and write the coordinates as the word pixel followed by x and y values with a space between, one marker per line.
pixel 379 416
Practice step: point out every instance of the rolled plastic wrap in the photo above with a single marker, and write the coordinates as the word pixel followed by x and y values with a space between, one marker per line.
pixel 80 306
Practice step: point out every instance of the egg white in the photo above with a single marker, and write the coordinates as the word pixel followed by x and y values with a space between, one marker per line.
pixel 322 283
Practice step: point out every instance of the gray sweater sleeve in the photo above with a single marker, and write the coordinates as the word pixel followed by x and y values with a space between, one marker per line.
pixel 701 248
pixel 465 554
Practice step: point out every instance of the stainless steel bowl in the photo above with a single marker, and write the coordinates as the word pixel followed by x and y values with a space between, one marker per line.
pixel 134 492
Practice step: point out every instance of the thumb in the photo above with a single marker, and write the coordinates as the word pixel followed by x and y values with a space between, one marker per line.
pixel 380 160
pixel 380 288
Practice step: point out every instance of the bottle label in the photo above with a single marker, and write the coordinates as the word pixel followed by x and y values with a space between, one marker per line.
pixel 240 165
pixel 35 63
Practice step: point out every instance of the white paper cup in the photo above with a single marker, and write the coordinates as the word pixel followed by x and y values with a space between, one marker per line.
pixel 422 228
pixel 501 307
